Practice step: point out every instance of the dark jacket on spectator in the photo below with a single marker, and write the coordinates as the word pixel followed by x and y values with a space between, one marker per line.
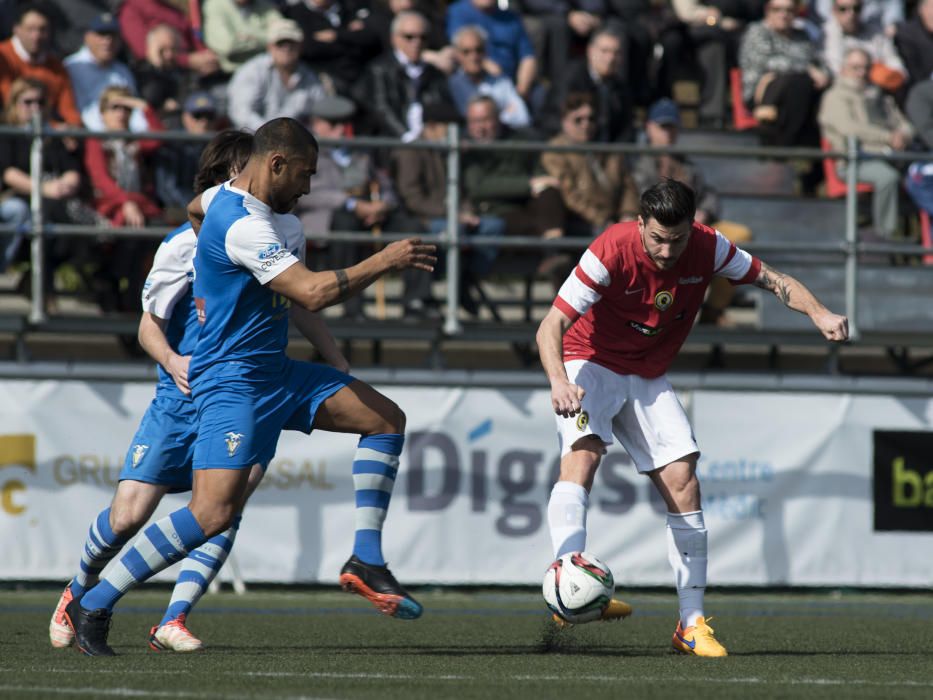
pixel 919 109
pixel 915 44
pixel 497 182
pixel 387 93
pixel 421 182
pixel 344 58
pixel 613 104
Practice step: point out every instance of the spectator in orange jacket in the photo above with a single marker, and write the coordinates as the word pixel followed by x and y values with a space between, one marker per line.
pixel 27 54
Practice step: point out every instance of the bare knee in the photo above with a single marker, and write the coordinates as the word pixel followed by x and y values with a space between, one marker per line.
pixel 133 505
pixel 678 485
pixel 580 464
pixel 126 519
pixel 391 420
pixel 215 518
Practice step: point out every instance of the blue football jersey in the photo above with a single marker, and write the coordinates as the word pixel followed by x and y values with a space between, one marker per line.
pixel 242 245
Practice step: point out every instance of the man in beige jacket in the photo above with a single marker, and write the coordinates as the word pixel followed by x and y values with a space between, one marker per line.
pixel 597 188
pixel 854 107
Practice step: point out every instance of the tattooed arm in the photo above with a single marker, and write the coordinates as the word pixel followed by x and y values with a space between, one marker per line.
pixel 794 295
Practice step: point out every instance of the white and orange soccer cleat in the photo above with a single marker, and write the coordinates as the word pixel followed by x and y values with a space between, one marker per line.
pixel 174 636
pixel 697 640
pixel 60 633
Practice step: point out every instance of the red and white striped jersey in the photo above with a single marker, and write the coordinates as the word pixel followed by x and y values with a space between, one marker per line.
pixel 632 317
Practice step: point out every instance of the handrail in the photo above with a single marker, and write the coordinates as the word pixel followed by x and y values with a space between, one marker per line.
pixel 450 240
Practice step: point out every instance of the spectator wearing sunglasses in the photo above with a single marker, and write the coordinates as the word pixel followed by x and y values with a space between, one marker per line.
pixel 597 188
pixel 846 30
pixel 400 83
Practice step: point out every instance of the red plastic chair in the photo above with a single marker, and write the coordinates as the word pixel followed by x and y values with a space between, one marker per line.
pixel 835 185
pixel 742 119
pixel 926 236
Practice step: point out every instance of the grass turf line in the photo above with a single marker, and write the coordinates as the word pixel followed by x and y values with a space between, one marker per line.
pixel 330 645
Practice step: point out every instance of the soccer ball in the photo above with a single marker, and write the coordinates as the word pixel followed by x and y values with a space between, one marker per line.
pixel 578 587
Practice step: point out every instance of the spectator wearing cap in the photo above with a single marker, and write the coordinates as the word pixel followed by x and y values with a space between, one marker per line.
pixel 94 67
pixel 472 78
pixel 137 17
pixel 400 83
pixel 597 188
pixel 236 30
pixel 176 162
pixel 347 193
pixel 421 179
pixel 27 54
pixel 662 128
pixel 275 83
pixel 340 38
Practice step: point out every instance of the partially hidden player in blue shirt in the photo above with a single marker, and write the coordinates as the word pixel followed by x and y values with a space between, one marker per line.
pixel 248 272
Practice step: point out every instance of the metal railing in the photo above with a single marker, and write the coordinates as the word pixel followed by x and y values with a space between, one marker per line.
pixel 451 240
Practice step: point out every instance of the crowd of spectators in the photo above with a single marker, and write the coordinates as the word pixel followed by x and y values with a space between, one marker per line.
pixel 570 72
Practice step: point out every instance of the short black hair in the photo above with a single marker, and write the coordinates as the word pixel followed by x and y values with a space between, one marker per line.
pixel 228 150
pixel 283 135
pixel 669 202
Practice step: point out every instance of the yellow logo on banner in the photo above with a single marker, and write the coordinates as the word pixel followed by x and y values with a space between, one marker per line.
pixel 15 451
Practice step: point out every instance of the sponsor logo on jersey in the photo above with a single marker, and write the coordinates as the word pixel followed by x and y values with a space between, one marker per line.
pixel 201 309
pixel 139 451
pixel 663 300
pixel 696 279
pixel 269 262
pixel 269 251
pixel 583 420
pixel 643 329
pixel 233 443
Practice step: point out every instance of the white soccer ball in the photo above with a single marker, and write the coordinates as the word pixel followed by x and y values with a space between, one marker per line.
pixel 578 587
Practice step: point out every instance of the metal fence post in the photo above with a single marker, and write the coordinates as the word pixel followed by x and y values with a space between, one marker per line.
pixel 451 320
pixel 36 242
pixel 851 291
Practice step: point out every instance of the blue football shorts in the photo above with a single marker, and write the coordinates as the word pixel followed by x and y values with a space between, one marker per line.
pixel 162 450
pixel 242 410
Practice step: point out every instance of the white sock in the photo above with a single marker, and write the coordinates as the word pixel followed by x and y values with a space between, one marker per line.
pixel 566 517
pixel 687 553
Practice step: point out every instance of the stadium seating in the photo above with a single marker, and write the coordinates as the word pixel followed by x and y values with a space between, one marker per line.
pixel 742 119
pixel 835 185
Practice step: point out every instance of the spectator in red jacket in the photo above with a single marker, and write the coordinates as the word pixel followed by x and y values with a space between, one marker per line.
pixel 116 168
pixel 137 17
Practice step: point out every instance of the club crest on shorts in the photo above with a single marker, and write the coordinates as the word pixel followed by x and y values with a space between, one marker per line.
pixel 139 451
pixel 663 300
pixel 583 420
pixel 233 443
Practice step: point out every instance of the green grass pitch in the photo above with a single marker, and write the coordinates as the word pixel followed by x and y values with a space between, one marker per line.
pixel 487 645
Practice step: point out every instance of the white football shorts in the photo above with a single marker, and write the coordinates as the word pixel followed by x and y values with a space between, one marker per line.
pixel 645 416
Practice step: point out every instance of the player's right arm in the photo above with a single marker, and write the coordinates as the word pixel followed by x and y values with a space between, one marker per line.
pixel 565 396
pixel 318 290
pixel 152 339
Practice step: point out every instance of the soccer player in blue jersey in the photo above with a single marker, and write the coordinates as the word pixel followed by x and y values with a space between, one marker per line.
pixel 248 271
pixel 160 456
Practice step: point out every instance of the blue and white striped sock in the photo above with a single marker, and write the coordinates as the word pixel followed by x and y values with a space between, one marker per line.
pixel 374 468
pixel 198 569
pixel 158 547
pixel 101 546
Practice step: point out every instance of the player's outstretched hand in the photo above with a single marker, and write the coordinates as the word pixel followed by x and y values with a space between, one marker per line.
pixel 177 367
pixel 566 398
pixel 833 326
pixel 410 253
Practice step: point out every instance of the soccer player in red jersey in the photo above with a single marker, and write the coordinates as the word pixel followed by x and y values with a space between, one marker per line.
pixel 614 329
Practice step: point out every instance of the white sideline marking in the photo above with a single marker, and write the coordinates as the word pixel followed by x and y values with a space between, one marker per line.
pixel 135 693
pixel 552 678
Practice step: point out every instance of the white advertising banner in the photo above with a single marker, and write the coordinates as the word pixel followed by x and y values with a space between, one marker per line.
pixel 789 489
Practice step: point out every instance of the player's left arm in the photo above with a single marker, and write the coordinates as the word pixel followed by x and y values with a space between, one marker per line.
pixel 152 338
pixel 313 327
pixel 795 295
